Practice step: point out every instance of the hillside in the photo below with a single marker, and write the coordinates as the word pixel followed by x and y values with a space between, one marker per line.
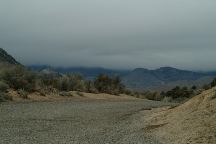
pixel 163 78
pixel 5 57
pixel 192 122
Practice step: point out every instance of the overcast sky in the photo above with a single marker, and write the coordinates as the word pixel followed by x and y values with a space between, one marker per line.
pixel 111 33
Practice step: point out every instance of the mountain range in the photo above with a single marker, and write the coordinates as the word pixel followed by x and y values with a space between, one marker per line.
pixel 164 78
pixel 139 78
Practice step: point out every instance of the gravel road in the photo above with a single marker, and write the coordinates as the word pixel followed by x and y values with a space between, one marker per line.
pixel 75 122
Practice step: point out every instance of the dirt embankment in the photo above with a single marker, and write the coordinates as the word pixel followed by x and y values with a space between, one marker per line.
pixel 190 123
pixel 72 95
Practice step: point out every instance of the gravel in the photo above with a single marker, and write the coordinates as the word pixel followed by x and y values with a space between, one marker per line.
pixel 75 122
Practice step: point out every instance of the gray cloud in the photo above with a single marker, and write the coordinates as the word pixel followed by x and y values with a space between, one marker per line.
pixel 114 33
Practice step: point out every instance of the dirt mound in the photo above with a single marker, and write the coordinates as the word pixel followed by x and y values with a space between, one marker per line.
pixel 190 123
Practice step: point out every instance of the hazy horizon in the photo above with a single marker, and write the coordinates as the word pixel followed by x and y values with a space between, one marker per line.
pixel 115 34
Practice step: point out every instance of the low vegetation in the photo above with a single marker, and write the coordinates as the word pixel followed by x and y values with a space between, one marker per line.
pixel 24 81
pixel 177 94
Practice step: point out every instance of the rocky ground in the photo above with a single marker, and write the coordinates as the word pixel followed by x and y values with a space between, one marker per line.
pixel 87 121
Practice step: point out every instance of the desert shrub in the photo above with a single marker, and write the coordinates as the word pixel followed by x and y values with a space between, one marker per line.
pixel 38 84
pixel 90 88
pixel 4 97
pixel 23 94
pixel 48 79
pixel 77 82
pixel 179 93
pixel 3 86
pixel 111 85
pixel 69 82
pixel 63 83
pixel 213 83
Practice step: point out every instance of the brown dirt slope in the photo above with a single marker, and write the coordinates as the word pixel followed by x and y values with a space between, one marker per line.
pixel 190 123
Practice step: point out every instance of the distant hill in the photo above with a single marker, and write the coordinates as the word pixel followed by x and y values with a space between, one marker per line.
pixel 6 58
pixel 163 78
pixel 88 73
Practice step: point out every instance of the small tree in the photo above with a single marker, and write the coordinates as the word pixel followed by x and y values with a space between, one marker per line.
pixel 213 83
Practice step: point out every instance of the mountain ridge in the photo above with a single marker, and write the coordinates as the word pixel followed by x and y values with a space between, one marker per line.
pixel 141 78
pixel 7 58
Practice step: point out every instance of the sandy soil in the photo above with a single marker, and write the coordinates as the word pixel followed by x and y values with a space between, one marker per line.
pixel 190 123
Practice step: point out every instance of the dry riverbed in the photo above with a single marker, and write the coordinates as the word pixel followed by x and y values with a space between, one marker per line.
pixel 87 121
